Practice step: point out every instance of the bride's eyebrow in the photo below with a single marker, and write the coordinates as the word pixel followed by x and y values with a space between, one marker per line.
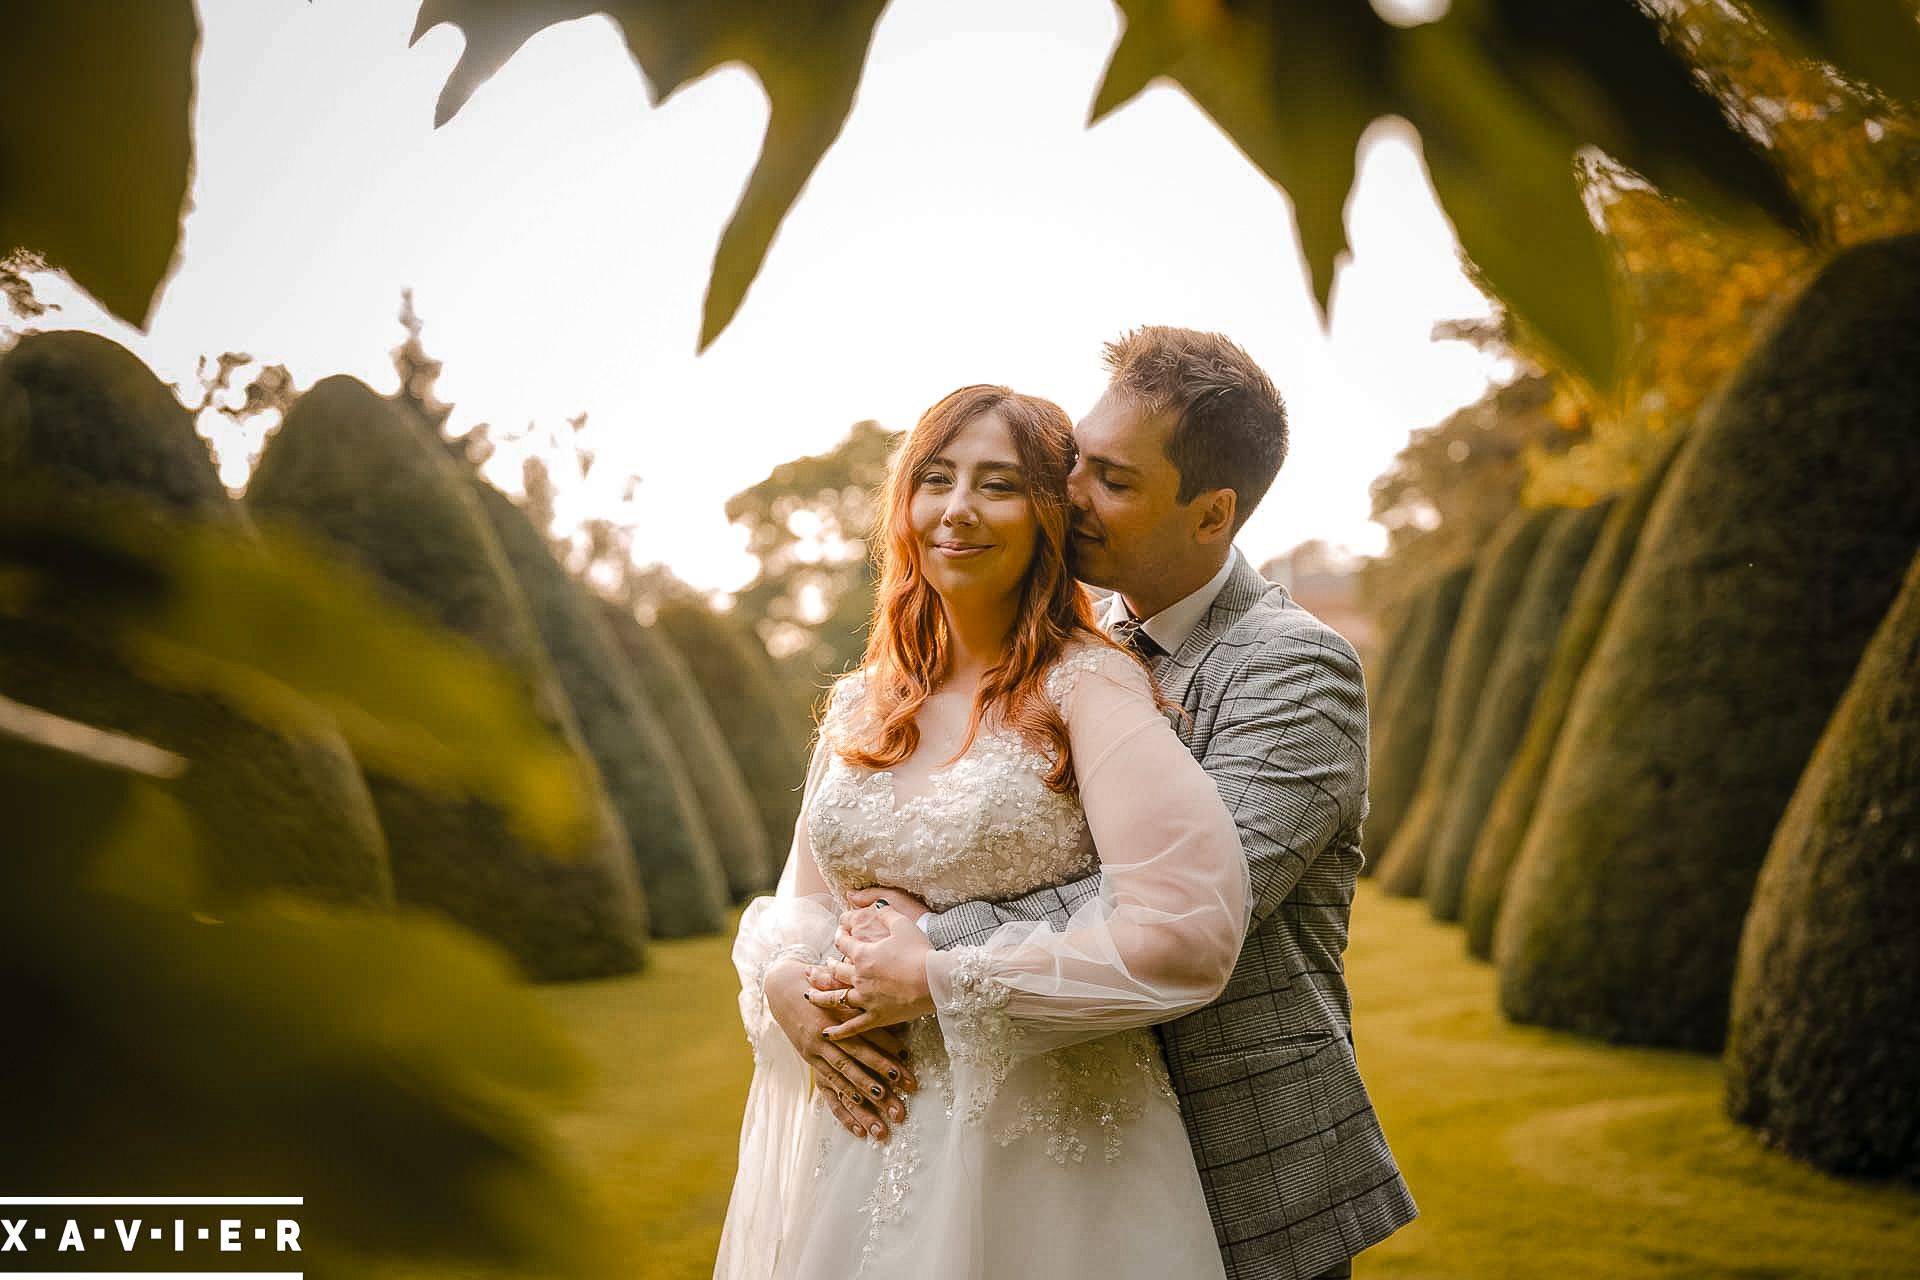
pixel 989 465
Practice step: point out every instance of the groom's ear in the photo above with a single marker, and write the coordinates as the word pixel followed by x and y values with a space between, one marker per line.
pixel 1214 509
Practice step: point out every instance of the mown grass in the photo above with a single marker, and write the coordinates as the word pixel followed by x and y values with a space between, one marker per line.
pixel 1532 1153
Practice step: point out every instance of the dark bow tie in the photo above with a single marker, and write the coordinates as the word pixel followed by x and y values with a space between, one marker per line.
pixel 1132 634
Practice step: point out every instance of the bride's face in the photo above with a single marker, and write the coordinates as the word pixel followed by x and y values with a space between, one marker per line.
pixel 972 516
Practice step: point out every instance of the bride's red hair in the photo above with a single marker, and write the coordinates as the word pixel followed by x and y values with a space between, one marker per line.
pixel 907 643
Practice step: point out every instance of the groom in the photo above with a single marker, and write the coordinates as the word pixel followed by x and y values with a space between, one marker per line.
pixel 1173 459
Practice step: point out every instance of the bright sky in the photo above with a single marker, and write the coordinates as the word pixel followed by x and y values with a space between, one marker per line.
pixel 966 227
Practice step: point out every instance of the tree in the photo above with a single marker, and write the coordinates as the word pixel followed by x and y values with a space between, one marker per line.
pixel 809 523
pixel 660 813
pixel 1403 716
pixel 1506 824
pixel 1484 614
pixel 1537 611
pixel 1452 485
pixel 1824 1052
pixel 351 468
pixel 726 801
pixel 1776 546
pixel 285 803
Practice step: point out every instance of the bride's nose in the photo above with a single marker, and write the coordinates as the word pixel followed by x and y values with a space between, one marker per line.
pixel 960 511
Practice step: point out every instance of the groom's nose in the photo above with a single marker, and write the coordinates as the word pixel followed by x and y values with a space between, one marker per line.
pixel 1077 490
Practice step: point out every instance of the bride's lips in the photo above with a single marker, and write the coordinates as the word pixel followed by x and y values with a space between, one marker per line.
pixel 960 550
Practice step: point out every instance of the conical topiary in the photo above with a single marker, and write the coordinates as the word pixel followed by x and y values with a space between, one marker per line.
pixel 1506 823
pixel 745 852
pixel 90 426
pixel 1774 549
pixel 1823 1054
pixel 736 677
pixel 1484 612
pixel 672 851
pixel 1383 666
pixel 1403 722
pixel 1507 697
pixel 348 466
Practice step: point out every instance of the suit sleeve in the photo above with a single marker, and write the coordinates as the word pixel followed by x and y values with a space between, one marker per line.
pixel 1162 936
pixel 1289 754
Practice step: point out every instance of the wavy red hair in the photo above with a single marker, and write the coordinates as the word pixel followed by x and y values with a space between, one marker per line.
pixel 907 644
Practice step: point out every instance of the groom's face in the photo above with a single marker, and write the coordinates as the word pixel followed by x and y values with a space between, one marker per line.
pixel 1130 529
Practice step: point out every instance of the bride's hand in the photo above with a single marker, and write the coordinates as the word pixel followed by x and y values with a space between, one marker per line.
pixel 885 970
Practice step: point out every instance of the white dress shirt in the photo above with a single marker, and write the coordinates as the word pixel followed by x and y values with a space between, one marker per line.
pixel 1170 627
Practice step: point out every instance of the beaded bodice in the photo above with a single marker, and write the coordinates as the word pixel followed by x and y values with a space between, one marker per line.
pixel 989 827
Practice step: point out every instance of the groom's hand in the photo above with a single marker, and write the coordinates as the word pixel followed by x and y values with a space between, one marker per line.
pixel 885 971
pixel 897 899
pixel 848 1072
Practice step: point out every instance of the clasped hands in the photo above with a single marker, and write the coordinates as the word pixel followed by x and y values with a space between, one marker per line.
pixel 837 1014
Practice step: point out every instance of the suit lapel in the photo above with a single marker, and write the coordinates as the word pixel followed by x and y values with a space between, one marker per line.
pixel 1244 587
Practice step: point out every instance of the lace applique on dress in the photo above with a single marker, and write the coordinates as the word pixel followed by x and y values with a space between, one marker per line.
pixel 984 1043
pixel 988 829
pixel 1090 1088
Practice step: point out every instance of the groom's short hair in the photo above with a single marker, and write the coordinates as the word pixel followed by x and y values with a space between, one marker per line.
pixel 1230 431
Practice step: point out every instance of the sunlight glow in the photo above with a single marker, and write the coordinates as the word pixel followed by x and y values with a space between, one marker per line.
pixel 966 227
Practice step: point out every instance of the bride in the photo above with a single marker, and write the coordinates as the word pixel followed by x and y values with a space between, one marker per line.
pixel 994 743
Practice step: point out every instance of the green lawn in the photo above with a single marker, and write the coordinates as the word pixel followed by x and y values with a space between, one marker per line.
pixel 1532 1154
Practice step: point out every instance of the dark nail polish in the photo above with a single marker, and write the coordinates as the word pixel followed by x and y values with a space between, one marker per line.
pixel 878 1092
pixel 892 1074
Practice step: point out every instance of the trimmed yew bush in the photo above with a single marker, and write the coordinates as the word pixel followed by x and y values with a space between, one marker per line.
pixel 1508 697
pixel 1484 613
pixel 1774 550
pixel 1823 1055
pixel 666 831
pixel 754 713
pixel 1506 823
pixel 1403 718
pixel 88 423
pixel 746 854
pixel 353 469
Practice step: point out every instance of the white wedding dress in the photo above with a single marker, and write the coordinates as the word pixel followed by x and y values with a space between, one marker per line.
pixel 1044 1139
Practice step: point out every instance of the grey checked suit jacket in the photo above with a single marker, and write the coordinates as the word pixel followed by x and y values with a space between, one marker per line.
pixel 1296 1170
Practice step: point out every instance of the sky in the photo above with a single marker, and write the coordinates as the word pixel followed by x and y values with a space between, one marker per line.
pixel 966 227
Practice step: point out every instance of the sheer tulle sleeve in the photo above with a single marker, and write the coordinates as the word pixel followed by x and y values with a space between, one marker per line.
pixel 798 920
pixel 1162 937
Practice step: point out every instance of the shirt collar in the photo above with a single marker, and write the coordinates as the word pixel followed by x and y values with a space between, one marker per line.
pixel 1170 627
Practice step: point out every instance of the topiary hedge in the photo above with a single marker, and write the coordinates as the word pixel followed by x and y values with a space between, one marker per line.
pixel 350 467
pixel 1484 612
pixel 1823 1054
pixel 1506 822
pixel 1403 720
pixel 1773 551
pixel 1508 696
pixel 736 676
pixel 745 852
pixel 646 781
pixel 88 423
